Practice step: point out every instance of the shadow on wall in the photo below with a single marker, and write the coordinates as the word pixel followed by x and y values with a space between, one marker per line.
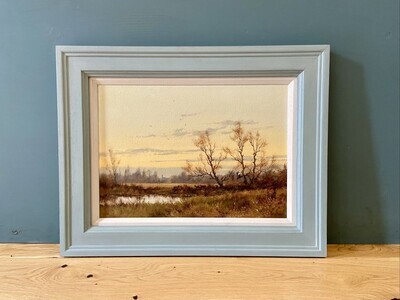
pixel 353 184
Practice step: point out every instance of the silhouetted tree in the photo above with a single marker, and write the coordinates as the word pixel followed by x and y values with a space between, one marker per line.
pixel 259 162
pixel 209 164
pixel 112 166
pixel 127 174
pixel 240 138
pixel 250 169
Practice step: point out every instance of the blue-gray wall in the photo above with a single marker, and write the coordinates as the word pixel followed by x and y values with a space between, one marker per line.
pixel 364 93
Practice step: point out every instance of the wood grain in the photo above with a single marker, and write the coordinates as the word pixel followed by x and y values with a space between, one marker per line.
pixel 349 272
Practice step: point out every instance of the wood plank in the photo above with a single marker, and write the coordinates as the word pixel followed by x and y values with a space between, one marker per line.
pixel 29 250
pixel 349 272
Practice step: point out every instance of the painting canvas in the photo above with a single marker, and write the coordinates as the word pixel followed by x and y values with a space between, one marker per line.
pixel 192 148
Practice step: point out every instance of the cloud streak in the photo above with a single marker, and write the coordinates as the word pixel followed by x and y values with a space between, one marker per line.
pixel 189 115
pixel 146 136
pixel 221 128
pixel 222 125
pixel 150 150
pixel 227 123
pixel 180 132
pixel 228 159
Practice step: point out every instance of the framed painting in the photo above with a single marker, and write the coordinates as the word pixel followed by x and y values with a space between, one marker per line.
pixel 195 151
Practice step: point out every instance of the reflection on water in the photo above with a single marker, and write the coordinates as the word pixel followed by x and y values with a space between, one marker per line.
pixel 143 199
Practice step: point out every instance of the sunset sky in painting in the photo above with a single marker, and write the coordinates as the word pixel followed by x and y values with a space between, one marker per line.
pixel 153 127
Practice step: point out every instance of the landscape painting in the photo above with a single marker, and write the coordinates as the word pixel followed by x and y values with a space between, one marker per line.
pixel 192 150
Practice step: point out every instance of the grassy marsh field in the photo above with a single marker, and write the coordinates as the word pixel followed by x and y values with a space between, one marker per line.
pixel 195 201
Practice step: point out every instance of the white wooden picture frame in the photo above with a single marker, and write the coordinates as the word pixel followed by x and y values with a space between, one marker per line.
pixel 305 69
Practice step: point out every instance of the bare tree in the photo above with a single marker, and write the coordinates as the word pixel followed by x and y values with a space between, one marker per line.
pixel 127 174
pixel 209 164
pixel 112 165
pixel 240 138
pixel 254 145
pixel 259 162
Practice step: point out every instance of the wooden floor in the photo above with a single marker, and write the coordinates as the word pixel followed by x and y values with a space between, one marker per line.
pixel 350 272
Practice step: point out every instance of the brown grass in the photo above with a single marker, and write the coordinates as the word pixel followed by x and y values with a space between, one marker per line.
pixel 163 184
pixel 201 202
